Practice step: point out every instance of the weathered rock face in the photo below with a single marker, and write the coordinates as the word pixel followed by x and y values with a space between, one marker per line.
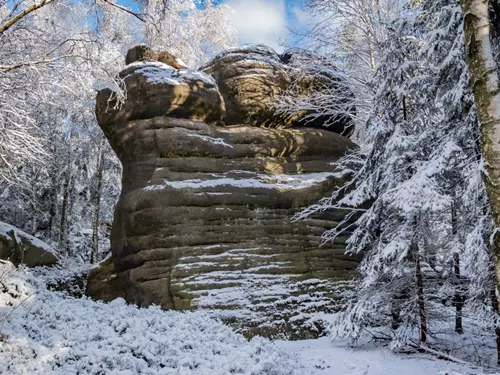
pixel 250 78
pixel 204 217
pixel 21 248
pixel 104 282
pixel 157 89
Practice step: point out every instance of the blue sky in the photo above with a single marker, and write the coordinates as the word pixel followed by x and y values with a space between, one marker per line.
pixel 262 21
pixel 267 21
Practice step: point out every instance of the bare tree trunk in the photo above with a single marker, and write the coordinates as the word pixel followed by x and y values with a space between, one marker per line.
pixel 53 207
pixel 429 255
pixel 33 204
pixel 372 58
pixel 419 281
pixel 486 87
pixel 63 226
pixel 97 209
pixel 458 299
pixel 34 220
pixel 496 309
pixel 420 301
pixel 67 187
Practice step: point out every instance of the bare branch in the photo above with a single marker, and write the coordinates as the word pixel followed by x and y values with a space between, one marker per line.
pixel 139 16
pixel 23 14
pixel 7 68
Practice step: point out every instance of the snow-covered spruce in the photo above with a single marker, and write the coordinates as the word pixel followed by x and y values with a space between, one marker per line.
pixel 426 275
pixel 46 332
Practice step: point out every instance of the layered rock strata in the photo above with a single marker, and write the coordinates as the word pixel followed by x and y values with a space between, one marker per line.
pixel 204 217
pixel 252 78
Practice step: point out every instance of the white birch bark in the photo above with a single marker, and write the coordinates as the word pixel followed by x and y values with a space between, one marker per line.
pixel 485 84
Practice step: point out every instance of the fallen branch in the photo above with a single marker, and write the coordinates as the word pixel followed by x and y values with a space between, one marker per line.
pixel 438 354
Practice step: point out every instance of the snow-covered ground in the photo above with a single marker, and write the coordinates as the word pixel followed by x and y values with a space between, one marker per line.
pixel 322 357
pixel 45 332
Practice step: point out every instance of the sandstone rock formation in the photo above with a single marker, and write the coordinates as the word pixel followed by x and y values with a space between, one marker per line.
pixel 251 78
pixel 21 248
pixel 204 217
pixel 141 52
pixel 157 89
pixel 105 284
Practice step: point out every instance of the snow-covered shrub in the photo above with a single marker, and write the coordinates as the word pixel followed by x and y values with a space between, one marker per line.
pixel 47 332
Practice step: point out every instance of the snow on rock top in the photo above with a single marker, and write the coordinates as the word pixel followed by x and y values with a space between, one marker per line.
pixel 51 333
pixel 161 73
pixel 261 49
pixel 248 53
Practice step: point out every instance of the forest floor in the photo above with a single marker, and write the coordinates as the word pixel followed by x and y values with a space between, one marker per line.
pixel 322 357
pixel 46 332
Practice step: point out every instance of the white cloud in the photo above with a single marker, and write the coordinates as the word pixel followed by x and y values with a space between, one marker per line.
pixel 302 18
pixel 260 21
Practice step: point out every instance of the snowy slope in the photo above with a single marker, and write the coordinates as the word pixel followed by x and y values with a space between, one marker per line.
pixel 49 333
pixel 46 332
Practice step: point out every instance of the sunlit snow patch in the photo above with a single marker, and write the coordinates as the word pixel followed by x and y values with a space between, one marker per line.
pixel 262 181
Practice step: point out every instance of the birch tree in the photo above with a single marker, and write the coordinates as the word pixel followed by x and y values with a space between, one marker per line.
pixel 485 85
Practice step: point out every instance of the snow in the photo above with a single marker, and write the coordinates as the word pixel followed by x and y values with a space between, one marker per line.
pixel 45 332
pixel 262 181
pixel 23 236
pixel 159 73
pixel 180 61
pixel 51 333
pixel 251 51
pixel 143 64
pixel 322 357
pixel 258 294
pixel 215 141
pixel 214 193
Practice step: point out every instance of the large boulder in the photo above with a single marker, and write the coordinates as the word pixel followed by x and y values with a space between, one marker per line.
pixel 153 88
pixel 253 77
pixel 249 79
pixel 21 248
pixel 204 219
